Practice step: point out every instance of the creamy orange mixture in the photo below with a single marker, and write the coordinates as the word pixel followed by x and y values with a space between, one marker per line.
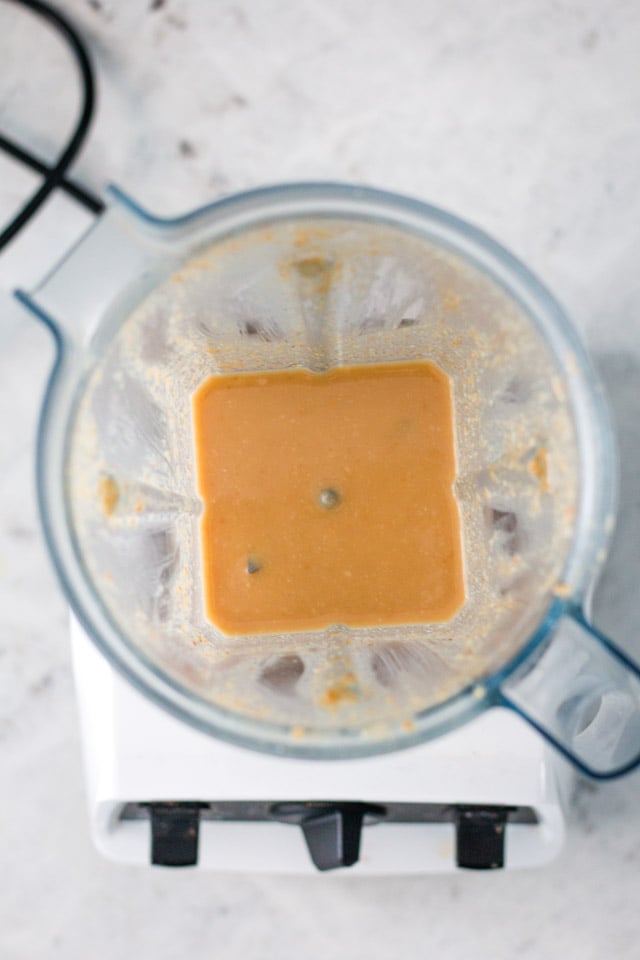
pixel 328 498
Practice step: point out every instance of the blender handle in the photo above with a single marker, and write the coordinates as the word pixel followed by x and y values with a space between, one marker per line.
pixel 583 695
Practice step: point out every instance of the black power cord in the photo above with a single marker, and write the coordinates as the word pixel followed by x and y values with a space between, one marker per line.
pixel 55 176
pixel 73 189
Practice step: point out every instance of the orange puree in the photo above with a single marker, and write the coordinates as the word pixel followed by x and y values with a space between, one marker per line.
pixel 328 498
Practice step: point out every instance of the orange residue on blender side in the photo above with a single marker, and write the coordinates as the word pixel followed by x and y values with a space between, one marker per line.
pixel 108 494
pixel 538 466
pixel 344 690
pixel 328 498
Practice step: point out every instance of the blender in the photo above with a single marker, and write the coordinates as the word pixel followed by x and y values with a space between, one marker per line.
pixel 451 749
pixel 411 771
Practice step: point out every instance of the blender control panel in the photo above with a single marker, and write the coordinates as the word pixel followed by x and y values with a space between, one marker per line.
pixel 332 830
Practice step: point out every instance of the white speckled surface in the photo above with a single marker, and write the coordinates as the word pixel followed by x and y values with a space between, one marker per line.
pixel 525 119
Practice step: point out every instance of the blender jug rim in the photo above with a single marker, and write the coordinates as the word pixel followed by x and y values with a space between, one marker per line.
pixel 597 455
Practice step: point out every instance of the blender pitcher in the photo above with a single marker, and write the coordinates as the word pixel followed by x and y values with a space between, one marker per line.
pixel 316 276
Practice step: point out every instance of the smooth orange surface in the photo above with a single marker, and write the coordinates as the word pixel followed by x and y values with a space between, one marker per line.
pixel 328 498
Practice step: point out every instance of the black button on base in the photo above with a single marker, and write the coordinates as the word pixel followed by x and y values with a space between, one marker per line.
pixel 174 834
pixel 480 837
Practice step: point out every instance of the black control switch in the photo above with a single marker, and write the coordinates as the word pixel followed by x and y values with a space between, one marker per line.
pixel 174 834
pixel 332 830
pixel 333 838
pixel 480 835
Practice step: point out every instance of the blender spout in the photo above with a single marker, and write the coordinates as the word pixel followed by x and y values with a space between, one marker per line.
pixel 117 253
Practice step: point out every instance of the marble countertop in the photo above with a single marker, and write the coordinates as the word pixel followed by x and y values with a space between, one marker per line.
pixel 524 118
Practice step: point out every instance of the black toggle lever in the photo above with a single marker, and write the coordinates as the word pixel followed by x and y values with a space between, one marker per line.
pixel 332 830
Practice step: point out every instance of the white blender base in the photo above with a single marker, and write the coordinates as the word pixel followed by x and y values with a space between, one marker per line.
pixel 135 753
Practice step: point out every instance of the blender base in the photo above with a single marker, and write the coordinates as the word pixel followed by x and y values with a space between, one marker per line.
pixel 487 795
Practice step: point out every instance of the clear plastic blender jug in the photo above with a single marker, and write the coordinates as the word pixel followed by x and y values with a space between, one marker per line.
pixel 315 276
